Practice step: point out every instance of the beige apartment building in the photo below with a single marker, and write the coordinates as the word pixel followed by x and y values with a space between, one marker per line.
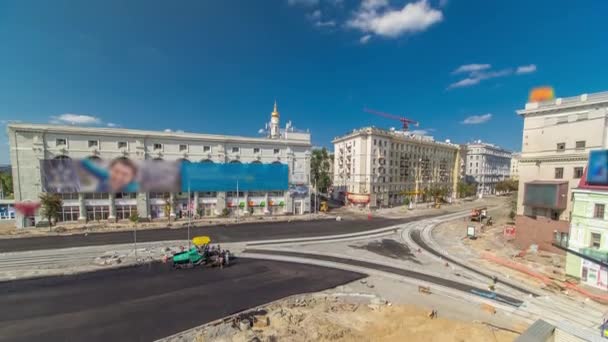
pixel 31 143
pixel 377 167
pixel 557 137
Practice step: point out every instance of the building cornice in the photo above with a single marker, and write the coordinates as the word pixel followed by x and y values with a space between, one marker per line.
pixel 560 158
pixel 560 104
pixel 371 131
pixel 123 132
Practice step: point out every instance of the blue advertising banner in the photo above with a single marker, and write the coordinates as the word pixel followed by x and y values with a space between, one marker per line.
pixel 597 169
pixel 125 175
pixel 224 177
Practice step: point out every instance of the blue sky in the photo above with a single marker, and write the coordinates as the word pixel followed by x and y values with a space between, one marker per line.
pixel 460 67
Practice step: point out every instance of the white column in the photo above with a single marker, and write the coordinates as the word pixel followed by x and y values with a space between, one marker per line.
pixel 172 201
pixel 111 203
pixel 82 209
pixel 195 203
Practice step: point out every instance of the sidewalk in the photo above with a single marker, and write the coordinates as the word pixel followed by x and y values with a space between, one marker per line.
pixel 64 228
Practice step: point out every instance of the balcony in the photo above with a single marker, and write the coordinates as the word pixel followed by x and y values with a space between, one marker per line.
pixel 546 194
pixel 597 254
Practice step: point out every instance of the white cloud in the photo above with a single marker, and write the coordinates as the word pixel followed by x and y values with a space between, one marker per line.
pixel 477 76
pixel 479 72
pixel 419 132
pixel 261 131
pixel 471 68
pixel 365 39
pixel 373 4
pixel 315 17
pixel 477 119
pixel 303 2
pixel 168 130
pixel 467 82
pixel 75 119
pixel 111 124
pixel 526 69
pixel 328 23
pixel 376 17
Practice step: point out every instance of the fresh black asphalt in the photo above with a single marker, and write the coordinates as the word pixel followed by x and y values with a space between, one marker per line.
pixel 149 302
pixel 220 233
pixel 399 271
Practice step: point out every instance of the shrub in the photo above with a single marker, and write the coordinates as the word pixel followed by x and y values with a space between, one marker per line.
pixel 134 217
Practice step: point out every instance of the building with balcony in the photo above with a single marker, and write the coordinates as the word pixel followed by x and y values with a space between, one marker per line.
pixel 377 167
pixel 557 137
pixel 486 164
pixel 587 240
pixel 31 143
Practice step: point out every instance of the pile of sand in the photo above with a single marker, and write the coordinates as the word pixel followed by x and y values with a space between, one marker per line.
pixel 313 318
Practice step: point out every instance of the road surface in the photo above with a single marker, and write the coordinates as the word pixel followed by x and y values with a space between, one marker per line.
pixel 149 302
pixel 220 233
pixel 399 271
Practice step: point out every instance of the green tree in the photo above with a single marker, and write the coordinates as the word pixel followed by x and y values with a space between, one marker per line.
pixel 507 185
pixel 319 169
pixel 6 184
pixel 438 193
pixel 465 189
pixel 51 207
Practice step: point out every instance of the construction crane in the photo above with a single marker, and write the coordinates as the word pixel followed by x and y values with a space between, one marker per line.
pixel 405 122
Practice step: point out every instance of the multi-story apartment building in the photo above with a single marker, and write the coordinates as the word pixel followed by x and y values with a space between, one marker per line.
pixel 486 165
pixel 381 167
pixel 31 143
pixel 557 137
pixel 514 174
pixel 588 237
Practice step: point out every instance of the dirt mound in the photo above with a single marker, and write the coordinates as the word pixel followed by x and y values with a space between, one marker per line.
pixel 328 318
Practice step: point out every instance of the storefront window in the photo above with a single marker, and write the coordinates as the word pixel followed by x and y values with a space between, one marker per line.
pixel 123 212
pixel 69 214
pixel 98 212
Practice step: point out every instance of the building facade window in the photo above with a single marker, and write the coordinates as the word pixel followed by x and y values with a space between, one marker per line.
pixel 69 196
pixel 123 212
pixel 578 172
pixel 596 240
pixel 580 144
pixel 256 150
pixel 559 172
pixel 183 148
pixel 126 195
pixel 69 213
pixel 158 147
pixel 122 144
pixel 160 195
pixel 598 211
pixel 206 148
pixel 98 212
pixel 276 151
pixel 96 195
pixel 61 142
pixel 235 149
pixel 93 143
pixel 561 147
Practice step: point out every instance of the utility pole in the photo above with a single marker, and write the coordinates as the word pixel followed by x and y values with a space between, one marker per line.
pixel 189 213
pixel 238 203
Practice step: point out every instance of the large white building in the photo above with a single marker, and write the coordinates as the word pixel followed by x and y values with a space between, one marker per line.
pixel 384 167
pixel 31 143
pixel 557 137
pixel 486 165
pixel 515 165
